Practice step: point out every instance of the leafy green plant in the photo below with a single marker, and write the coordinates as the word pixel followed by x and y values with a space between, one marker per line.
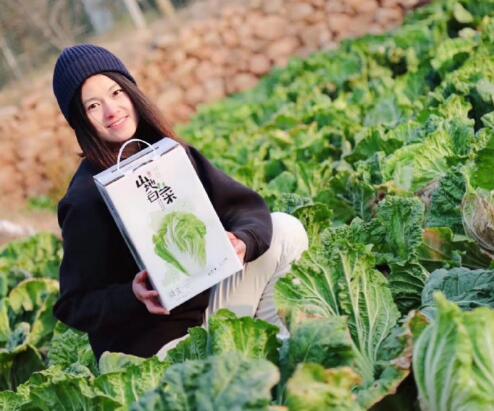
pixel 453 359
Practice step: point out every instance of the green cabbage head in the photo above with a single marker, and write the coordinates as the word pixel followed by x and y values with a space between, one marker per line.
pixel 181 241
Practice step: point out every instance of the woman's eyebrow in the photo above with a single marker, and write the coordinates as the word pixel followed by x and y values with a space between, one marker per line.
pixel 89 99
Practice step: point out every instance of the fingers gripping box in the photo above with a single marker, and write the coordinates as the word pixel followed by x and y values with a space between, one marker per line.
pixel 168 221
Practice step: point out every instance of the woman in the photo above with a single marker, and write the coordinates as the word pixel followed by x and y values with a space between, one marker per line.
pixel 101 290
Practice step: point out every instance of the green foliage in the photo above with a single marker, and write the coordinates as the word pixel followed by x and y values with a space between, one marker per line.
pixel 452 359
pixel 36 256
pixel 227 333
pixel 314 388
pixel 42 203
pixel 68 347
pixel 26 328
pixel 220 382
pixel 468 289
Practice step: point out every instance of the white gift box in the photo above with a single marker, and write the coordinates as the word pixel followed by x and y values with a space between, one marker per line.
pixel 168 221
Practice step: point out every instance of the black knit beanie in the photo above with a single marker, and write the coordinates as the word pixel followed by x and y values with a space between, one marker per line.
pixel 75 65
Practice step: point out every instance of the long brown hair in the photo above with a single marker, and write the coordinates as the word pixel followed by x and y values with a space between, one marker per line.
pixel 151 125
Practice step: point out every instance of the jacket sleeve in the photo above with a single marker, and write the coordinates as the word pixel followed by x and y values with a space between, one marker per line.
pixel 86 300
pixel 241 210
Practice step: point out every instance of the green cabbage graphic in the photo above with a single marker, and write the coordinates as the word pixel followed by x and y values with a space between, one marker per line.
pixel 181 241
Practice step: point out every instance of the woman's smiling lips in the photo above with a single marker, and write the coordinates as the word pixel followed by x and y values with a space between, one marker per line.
pixel 117 124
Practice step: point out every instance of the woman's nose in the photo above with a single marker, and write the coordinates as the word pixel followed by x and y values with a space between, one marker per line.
pixel 110 109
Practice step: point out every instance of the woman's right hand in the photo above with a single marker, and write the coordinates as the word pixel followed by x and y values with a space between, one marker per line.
pixel 146 296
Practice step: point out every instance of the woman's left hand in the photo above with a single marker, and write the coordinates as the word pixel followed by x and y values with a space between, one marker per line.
pixel 238 245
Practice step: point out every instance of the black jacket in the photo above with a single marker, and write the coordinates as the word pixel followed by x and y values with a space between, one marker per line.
pixel 97 268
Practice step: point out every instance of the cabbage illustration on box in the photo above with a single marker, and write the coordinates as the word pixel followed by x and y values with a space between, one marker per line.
pixel 181 241
pixel 168 222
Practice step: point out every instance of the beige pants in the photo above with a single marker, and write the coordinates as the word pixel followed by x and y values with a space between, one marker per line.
pixel 250 292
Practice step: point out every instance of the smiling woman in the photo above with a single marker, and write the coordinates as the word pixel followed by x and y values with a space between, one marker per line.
pixel 101 290
pixel 109 109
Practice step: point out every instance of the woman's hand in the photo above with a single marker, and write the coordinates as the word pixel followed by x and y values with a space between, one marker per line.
pixel 238 245
pixel 146 296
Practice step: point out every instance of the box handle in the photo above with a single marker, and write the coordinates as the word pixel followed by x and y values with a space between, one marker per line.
pixel 132 140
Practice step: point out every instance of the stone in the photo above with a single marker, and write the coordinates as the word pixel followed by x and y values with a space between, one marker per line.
pixel 186 68
pixel 165 41
pixel 339 23
pixel 220 56
pixel 191 43
pixel 181 113
pixel 243 81
pixel 206 70
pixel 230 38
pixel 299 10
pixel 272 6
pixel 194 94
pixel 259 64
pixel 388 15
pixel 283 47
pixel 365 6
pixel 10 179
pixel 170 96
pixel 316 35
pixel 214 89
pixel 269 27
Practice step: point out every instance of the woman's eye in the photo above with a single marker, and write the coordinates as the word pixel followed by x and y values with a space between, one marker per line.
pixel 117 92
pixel 91 107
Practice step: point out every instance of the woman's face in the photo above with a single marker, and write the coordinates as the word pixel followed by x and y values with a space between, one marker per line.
pixel 109 109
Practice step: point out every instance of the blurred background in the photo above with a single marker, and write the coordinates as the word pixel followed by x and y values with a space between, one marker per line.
pixel 183 53
pixel 34 32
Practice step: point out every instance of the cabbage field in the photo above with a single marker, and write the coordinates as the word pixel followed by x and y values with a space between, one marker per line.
pixel 384 148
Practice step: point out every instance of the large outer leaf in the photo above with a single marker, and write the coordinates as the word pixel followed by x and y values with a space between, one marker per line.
pixel 55 389
pixel 37 256
pixel 69 346
pixel 393 363
pixel 310 289
pixel 346 283
pixel 194 347
pixel 396 232
pixel 110 362
pixel 441 248
pixel 481 175
pixel 313 388
pixel 128 385
pixel 414 166
pixel 10 400
pixel 468 289
pixel 367 301
pixel 28 310
pixel 406 283
pixel 17 365
pixel 449 365
pixel 480 328
pixel 253 338
pixel 326 342
pixel 478 218
pixel 5 330
pixel 32 301
pixel 445 207
pixel 227 382
pixel 227 333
